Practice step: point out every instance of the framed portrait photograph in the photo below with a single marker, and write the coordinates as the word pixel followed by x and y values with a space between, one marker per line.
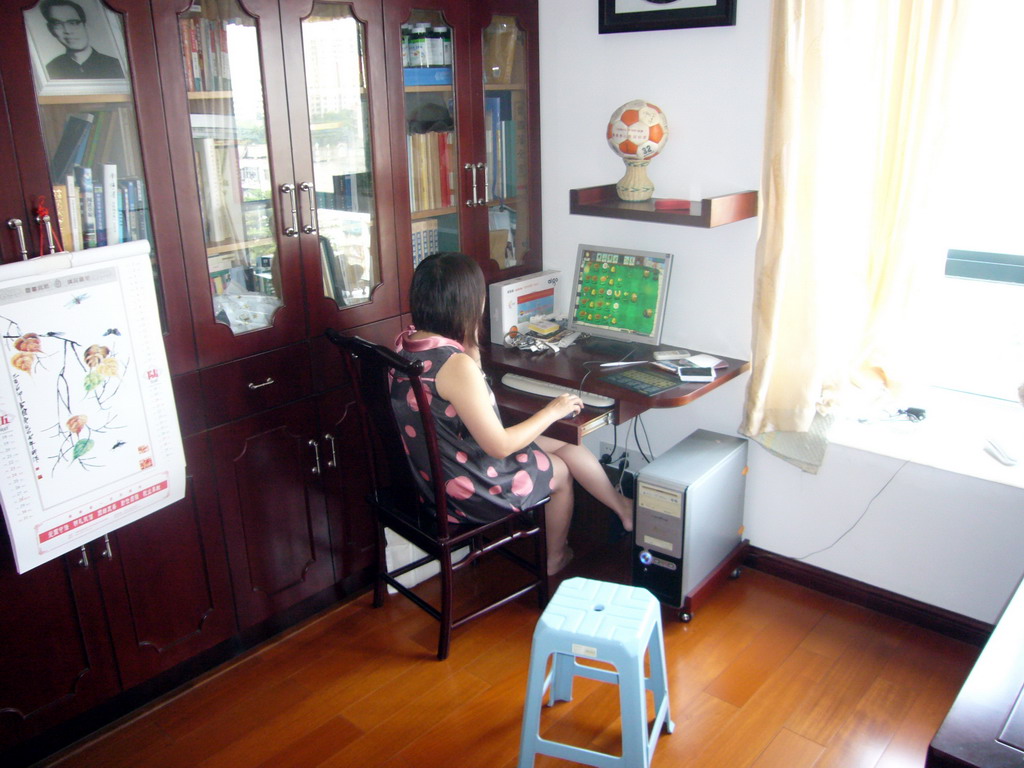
pixel 77 48
pixel 647 15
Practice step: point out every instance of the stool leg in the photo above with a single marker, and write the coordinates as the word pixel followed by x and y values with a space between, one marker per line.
pixel 658 681
pixel 531 709
pixel 633 705
pixel 563 670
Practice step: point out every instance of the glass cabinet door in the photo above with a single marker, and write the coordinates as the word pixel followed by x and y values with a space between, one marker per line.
pixel 221 59
pixel 431 135
pixel 90 129
pixel 506 131
pixel 343 207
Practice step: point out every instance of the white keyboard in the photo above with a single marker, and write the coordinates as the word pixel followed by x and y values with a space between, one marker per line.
pixel 547 389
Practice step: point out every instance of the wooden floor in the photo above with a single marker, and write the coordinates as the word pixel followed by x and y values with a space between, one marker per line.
pixel 768 674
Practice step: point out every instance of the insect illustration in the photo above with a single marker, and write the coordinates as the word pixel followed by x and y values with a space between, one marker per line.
pixel 112 332
pixel 77 299
pixel 118 444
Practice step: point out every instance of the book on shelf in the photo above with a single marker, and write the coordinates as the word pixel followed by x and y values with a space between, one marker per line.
pixel 424 239
pixel 111 204
pixel 431 170
pixel 77 127
pixel 75 211
pixel 83 179
pixel 204 43
pixel 221 189
pixel 62 213
pixel 99 206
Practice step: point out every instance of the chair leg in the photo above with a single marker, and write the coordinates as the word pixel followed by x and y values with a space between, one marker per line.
pixel 447 609
pixel 379 585
pixel 541 552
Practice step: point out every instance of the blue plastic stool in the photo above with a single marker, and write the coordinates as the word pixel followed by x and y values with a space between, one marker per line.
pixel 611 623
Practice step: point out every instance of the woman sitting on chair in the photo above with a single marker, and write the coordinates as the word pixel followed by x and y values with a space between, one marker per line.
pixel 490 468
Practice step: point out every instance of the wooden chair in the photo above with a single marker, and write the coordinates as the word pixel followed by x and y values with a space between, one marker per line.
pixel 424 522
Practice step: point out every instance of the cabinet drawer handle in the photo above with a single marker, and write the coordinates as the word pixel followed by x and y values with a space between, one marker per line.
pixel 293 230
pixel 266 383
pixel 472 174
pixel 48 227
pixel 333 462
pixel 307 187
pixel 316 456
pixel 16 225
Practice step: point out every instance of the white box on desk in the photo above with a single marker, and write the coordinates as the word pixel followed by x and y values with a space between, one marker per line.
pixel 515 301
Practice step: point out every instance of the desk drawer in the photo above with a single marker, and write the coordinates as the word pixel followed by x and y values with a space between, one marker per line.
pixel 516 406
pixel 243 387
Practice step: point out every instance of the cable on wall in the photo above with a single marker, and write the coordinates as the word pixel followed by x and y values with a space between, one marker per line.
pixel 859 517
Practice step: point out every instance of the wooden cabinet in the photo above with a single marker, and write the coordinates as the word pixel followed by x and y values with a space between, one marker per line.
pixel 272 153
pixel 121 125
pixel 268 478
pixel 465 142
pixel 281 168
pixel 79 629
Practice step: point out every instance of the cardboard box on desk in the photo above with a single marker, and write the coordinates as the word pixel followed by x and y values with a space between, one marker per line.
pixel 515 301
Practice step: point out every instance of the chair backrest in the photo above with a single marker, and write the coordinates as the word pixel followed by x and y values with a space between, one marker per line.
pixel 371 367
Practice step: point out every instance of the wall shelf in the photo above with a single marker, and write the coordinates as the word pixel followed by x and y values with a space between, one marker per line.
pixel 709 212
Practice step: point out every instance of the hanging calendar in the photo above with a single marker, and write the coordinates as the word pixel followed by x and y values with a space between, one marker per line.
pixel 89 437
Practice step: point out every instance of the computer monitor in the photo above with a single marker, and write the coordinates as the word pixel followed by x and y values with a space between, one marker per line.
pixel 619 294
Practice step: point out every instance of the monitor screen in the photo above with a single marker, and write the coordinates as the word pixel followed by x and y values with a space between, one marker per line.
pixel 619 293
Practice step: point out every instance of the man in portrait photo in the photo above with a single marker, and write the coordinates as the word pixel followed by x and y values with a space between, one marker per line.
pixel 66 21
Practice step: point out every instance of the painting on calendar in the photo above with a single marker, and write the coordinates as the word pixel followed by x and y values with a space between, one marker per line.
pixel 89 431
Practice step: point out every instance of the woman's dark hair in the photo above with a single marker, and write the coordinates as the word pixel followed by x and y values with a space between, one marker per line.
pixel 447 296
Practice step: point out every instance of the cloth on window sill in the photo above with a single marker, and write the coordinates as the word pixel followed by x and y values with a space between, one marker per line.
pixel 805 450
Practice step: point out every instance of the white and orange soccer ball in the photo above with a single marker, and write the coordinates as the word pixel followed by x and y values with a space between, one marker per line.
pixel 637 130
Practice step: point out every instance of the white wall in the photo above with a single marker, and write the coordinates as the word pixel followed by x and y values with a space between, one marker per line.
pixel 935 536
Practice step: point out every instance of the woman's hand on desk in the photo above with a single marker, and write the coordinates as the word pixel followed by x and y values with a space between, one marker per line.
pixel 565 405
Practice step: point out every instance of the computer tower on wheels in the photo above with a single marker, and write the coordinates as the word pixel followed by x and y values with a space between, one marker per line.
pixel 688 534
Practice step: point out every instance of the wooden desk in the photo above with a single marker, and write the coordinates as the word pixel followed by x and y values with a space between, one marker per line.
pixel 567 368
pixel 985 726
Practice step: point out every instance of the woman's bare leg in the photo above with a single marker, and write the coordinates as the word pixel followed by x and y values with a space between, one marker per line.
pixel 588 472
pixel 558 516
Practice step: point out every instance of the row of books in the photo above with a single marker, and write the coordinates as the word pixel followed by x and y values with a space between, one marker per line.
pixel 431 170
pixel 100 209
pixel 424 240
pixel 90 139
pixel 204 43
pixel 505 147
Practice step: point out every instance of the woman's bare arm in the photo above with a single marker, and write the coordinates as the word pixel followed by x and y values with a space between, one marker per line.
pixel 461 382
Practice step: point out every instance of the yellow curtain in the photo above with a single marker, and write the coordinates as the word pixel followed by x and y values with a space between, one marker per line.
pixel 857 90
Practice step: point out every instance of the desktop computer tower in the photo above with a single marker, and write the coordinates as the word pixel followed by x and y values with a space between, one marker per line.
pixel 689 518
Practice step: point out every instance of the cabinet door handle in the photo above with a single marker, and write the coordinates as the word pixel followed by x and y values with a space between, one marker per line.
pixel 266 383
pixel 313 226
pixel 83 561
pixel 16 225
pixel 333 462
pixel 487 185
pixel 293 230
pixel 48 227
pixel 316 456
pixel 472 175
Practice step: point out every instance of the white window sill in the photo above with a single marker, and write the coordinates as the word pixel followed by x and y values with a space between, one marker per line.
pixel 952 435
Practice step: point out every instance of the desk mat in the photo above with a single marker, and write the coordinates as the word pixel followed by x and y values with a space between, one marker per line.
pixel 642 380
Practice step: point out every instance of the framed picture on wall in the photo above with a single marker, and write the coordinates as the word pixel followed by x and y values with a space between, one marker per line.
pixel 646 15
pixel 77 48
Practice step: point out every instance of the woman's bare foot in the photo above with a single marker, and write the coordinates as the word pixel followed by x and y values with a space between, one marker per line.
pixel 625 513
pixel 559 565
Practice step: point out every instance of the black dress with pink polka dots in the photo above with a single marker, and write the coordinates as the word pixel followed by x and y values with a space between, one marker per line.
pixel 480 488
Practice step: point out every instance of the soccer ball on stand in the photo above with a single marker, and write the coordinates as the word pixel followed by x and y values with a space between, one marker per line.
pixel 637 132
